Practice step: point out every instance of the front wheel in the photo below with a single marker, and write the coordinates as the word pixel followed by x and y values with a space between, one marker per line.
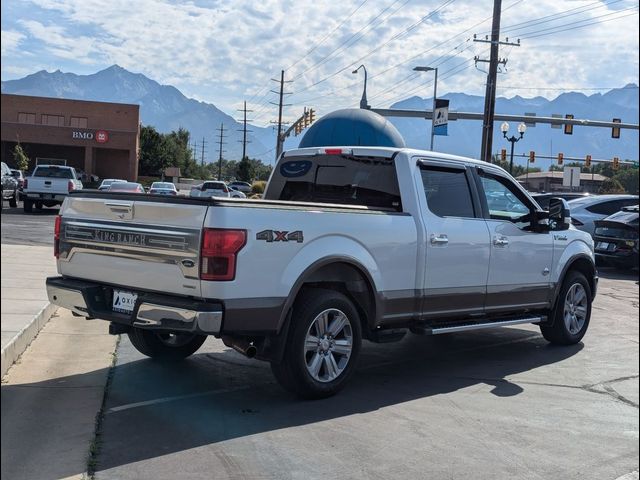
pixel 322 347
pixel 170 346
pixel 570 317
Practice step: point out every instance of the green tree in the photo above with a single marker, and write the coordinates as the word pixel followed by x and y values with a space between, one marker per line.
pixel 245 171
pixel 628 178
pixel 611 185
pixel 20 157
pixel 517 169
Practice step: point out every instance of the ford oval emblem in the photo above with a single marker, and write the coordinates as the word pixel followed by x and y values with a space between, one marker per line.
pixel 188 263
pixel 296 168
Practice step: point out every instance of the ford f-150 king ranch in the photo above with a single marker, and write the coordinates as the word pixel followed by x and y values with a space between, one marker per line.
pixel 49 185
pixel 348 244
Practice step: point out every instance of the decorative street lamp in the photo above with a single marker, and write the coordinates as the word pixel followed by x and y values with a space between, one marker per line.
pixel 512 139
pixel 363 100
pixel 435 90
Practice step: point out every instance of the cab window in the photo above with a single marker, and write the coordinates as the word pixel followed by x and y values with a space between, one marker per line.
pixel 504 200
pixel 447 192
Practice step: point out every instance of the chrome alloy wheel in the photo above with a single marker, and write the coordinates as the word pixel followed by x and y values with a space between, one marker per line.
pixel 328 345
pixel 575 308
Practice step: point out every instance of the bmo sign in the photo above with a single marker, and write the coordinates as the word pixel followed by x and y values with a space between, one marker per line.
pixel 101 136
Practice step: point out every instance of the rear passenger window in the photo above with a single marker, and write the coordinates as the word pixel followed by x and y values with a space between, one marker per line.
pixel 447 192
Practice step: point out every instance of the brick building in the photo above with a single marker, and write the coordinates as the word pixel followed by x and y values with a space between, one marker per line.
pixel 97 137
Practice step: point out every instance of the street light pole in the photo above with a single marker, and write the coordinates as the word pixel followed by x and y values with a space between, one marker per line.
pixel 363 100
pixel 513 140
pixel 435 92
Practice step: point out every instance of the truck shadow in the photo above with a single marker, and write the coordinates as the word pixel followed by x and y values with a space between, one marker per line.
pixel 156 409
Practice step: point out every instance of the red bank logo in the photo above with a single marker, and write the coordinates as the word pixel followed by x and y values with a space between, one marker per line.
pixel 102 136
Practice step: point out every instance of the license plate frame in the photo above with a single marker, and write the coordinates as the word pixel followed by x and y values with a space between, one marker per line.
pixel 602 246
pixel 124 301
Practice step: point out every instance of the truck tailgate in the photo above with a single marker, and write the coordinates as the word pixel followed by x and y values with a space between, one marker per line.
pixel 51 185
pixel 145 244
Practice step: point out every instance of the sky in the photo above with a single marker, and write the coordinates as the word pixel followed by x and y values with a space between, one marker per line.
pixel 227 51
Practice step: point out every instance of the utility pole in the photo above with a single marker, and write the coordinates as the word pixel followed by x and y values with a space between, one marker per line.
pixel 492 76
pixel 202 157
pixel 220 143
pixel 244 130
pixel 281 93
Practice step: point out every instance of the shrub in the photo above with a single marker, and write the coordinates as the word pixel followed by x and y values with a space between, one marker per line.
pixel 258 187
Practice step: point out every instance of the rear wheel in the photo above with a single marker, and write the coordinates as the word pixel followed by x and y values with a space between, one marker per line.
pixel 571 315
pixel 27 205
pixel 13 201
pixel 322 347
pixel 165 345
pixel 38 205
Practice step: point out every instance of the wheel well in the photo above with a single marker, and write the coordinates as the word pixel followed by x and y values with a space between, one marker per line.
pixel 586 267
pixel 350 281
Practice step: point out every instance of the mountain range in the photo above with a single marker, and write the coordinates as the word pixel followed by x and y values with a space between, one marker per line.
pixel 166 108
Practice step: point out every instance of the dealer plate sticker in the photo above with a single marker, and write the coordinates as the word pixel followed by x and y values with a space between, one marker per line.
pixel 602 246
pixel 124 302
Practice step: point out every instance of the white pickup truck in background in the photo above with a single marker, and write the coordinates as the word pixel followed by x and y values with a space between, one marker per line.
pixel 48 186
pixel 349 243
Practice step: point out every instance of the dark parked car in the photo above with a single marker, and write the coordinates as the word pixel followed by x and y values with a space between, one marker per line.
pixel 19 176
pixel 543 198
pixel 9 187
pixel 616 238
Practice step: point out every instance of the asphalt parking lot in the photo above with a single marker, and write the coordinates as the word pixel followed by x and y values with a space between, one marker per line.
pixel 490 404
pixel 482 405
pixel 19 228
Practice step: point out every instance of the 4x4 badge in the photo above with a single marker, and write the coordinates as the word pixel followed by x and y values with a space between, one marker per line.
pixel 280 236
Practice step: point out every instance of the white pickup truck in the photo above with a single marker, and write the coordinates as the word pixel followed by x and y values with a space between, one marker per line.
pixel 48 186
pixel 348 244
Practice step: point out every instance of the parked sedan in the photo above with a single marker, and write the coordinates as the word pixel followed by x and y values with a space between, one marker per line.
pixel 587 210
pixel 163 188
pixel 616 238
pixel 106 183
pixel 210 189
pixel 244 187
pixel 126 187
pixel 235 193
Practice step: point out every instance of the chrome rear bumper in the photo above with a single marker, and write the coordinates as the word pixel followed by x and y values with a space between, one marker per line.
pixel 152 311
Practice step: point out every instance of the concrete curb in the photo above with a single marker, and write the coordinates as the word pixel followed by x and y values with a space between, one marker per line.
pixel 21 341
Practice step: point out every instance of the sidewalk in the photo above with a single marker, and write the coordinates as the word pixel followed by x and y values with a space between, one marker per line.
pixel 24 305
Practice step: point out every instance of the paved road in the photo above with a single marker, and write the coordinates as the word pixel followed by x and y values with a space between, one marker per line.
pixel 34 228
pixel 490 404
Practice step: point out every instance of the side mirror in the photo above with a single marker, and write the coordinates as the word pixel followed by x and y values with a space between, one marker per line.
pixel 559 214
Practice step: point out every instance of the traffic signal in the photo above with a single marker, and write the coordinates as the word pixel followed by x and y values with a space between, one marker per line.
pixel 503 154
pixel 615 131
pixel 532 157
pixel 616 163
pixel 305 117
pixel 587 161
pixel 312 116
pixel 568 128
pixel 297 129
pixel 560 158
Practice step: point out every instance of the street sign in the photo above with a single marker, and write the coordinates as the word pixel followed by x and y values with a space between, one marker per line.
pixel 441 117
pixel 571 177
pixel 530 123
pixel 556 125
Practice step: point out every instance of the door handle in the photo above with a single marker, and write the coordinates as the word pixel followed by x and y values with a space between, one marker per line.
pixel 440 239
pixel 500 241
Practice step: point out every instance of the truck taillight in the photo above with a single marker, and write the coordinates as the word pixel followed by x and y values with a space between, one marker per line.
pixel 56 236
pixel 219 251
pixel 71 186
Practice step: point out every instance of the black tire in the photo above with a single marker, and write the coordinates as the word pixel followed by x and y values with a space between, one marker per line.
pixel 38 205
pixel 13 201
pixel 159 345
pixel 292 372
pixel 27 205
pixel 558 332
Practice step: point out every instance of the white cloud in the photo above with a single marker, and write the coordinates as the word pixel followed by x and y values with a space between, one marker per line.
pixel 227 51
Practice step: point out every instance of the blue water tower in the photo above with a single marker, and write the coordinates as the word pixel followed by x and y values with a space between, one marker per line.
pixel 352 127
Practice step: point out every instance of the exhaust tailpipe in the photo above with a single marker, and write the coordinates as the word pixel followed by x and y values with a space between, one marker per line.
pixel 241 345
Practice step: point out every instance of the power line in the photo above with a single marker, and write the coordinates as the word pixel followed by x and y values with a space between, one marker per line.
pixel 244 130
pixel 220 150
pixel 321 41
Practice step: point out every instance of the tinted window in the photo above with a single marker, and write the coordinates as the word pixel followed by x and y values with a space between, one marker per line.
pixel 340 179
pixel 447 192
pixel 610 207
pixel 213 186
pixel 53 172
pixel 504 200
